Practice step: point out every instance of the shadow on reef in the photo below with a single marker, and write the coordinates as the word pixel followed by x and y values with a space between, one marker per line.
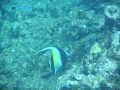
pixel 46 75
pixel 1 49
pixel 14 33
pixel 118 70
pixel 65 88
pixel 3 87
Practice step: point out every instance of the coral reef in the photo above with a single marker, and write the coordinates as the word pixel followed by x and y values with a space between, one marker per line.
pixel 112 11
pixel 99 72
pixel 88 28
pixel 114 51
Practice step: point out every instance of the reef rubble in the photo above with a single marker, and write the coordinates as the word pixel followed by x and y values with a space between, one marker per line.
pixel 99 71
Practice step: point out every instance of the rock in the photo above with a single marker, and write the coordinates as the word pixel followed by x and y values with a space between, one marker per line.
pixel 114 50
pixel 112 11
pixel 95 49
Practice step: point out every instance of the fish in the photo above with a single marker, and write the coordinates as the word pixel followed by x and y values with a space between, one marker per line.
pixel 58 58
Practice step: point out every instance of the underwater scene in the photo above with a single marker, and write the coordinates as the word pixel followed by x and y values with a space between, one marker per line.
pixel 59 44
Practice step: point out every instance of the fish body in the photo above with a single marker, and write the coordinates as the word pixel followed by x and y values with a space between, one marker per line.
pixel 58 58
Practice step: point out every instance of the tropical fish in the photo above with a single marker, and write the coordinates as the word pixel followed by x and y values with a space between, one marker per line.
pixel 58 58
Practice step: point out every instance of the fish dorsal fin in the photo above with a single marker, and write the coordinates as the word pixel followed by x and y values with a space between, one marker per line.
pixel 45 49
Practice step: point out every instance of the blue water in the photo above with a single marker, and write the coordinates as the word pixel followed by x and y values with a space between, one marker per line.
pixel 75 26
